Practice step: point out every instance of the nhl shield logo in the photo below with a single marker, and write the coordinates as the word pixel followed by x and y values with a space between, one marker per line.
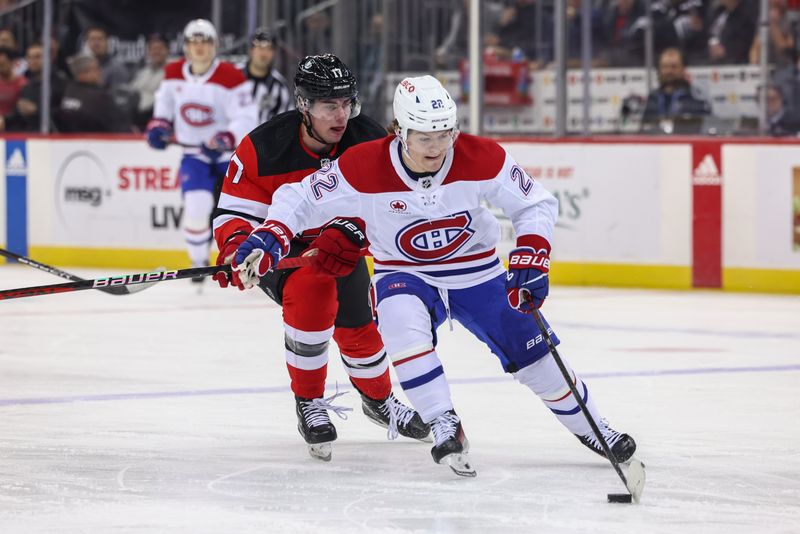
pixel 434 240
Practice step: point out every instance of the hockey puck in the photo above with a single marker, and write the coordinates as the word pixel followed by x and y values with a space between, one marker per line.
pixel 620 497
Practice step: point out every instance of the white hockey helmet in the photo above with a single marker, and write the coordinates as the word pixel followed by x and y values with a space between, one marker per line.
pixel 200 28
pixel 424 105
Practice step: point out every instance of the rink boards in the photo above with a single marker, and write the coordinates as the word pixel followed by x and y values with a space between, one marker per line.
pixel 634 211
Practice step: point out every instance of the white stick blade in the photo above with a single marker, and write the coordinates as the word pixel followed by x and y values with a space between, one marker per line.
pixel 636 478
pixel 141 287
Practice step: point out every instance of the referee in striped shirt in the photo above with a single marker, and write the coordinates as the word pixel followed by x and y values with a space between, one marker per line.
pixel 270 88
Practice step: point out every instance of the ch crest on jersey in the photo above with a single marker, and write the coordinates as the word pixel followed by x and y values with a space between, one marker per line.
pixel 197 114
pixel 427 240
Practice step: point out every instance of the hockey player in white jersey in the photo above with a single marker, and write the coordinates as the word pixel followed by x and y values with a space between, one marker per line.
pixel 420 195
pixel 206 106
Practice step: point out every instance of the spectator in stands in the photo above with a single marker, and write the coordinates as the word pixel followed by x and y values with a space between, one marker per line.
pixel 781 121
pixel 675 97
pixel 676 24
pixel 9 40
pixel 10 83
pixel 59 60
pixel 270 88
pixel 516 31
pixel 86 106
pixel 620 47
pixel 147 79
pixel 26 116
pixel 731 32
pixel 114 72
pixel 454 47
pixel 371 65
pixel 781 41
pixel 317 33
pixel 575 33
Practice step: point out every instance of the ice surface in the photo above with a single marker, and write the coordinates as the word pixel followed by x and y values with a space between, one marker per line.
pixel 169 412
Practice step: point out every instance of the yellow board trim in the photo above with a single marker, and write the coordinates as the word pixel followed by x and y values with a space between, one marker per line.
pixel 102 258
pixel 761 280
pixel 621 275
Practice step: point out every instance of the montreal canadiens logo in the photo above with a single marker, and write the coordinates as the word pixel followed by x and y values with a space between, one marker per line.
pixel 197 114
pixel 435 240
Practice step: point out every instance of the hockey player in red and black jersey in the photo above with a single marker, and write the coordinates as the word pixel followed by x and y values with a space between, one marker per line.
pixel 321 301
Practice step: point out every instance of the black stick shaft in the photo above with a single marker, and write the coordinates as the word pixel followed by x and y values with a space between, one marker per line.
pixel 112 282
pixel 117 290
pixel 41 266
pixel 581 404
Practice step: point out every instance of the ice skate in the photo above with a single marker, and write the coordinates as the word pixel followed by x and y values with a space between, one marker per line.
pixel 622 445
pixel 451 444
pixel 315 425
pixel 397 417
pixel 198 281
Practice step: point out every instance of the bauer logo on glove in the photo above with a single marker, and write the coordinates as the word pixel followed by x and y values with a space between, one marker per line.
pixel 261 252
pixel 338 248
pixel 527 281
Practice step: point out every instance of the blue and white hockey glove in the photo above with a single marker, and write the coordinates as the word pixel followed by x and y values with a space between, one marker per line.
pixel 527 281
pixel 221 142
pixel 158 133
pixel 261 252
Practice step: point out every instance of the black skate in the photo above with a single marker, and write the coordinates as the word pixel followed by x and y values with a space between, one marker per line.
pixel 315 426
pixel 397 417
pixel 622 445
pixel 451 444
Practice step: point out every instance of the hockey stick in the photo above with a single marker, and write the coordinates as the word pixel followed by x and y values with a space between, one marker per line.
pixel 634 481
pixel 122 281
pixel 113 281
pixel 116 290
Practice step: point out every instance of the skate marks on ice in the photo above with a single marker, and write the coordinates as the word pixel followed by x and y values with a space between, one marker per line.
pixel 182 435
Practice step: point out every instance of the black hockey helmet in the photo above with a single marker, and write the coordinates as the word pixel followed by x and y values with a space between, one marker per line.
pixel 263 35
pixel 324 76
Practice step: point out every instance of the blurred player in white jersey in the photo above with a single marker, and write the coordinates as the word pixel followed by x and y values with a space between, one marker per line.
pixel 206 106
pixel 420 194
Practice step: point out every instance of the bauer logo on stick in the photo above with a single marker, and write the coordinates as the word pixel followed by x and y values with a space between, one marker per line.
pixel 135 279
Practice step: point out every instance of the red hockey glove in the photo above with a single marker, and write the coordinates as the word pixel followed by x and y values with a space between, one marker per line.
pixel 226 256
pixel 527 281
pixel 338 248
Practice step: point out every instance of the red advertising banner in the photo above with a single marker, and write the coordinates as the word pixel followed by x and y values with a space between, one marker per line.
pixel 707 214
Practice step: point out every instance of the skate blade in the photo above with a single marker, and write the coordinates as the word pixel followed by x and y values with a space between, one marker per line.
pixel 321 451
pixel 460 465
pixel 636 478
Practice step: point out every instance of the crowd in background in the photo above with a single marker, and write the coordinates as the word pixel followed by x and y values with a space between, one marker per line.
pixel 92 91
pixel 118 97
